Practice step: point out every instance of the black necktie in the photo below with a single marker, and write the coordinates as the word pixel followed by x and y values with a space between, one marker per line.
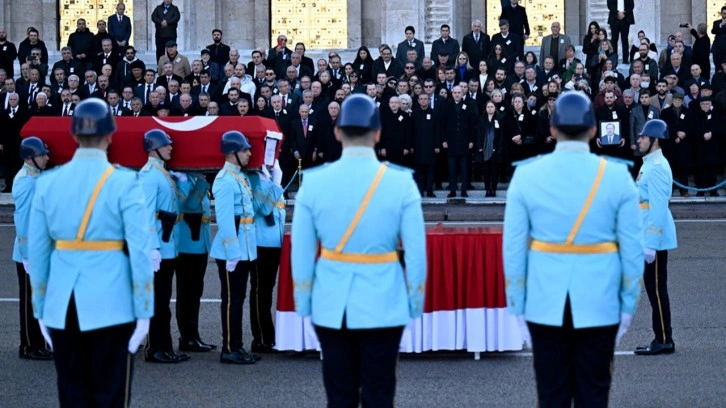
pixel 12 113
pixel 65 110
pixel 148 91
pixel 204 88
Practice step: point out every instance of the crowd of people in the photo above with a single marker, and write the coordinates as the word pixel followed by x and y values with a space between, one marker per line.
pixel 462 112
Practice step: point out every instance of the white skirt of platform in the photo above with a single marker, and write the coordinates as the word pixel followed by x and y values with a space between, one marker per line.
pixel 474 330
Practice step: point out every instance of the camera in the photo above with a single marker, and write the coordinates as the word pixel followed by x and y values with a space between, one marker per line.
pixel 683 25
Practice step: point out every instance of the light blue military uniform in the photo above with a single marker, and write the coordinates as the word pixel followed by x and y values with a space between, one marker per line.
pixel 197 202
pixel 23 189
pixel 109 287
pixel 370 295
pixel 233 197
pixel 543 202
pixel 655 183
pixel 270 200
pixel 161 193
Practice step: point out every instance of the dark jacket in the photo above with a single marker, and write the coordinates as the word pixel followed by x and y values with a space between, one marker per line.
pixel 458 127
pixel 426 135
pixel 172 17
pixel 395 134
pixel 613 11
pixel 476 51
pixel 119 31
pixel 81 42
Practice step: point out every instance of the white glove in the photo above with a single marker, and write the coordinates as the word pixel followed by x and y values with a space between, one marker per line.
pixel 26 265
pixel 232 264
pixel 179 176
pixel 46 334
pixel 265 174
pixel 526 337
pixel 625 320
pixel 140 332
pixel 155 260
pixel 649 255
pixel 277 174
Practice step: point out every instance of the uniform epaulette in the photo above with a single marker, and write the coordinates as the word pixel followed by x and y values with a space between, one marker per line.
pixel 21 173
pixel 314 169
pixel 628 163
pixel 527 161
pixel 146 167
pixel 397 167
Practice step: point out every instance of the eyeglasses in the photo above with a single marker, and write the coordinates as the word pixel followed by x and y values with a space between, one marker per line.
pixel 409 67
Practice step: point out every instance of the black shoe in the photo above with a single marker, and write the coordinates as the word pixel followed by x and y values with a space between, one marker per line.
pixel 236 358
pixel 451 195
pixel 38 355
pixel 264 349
pixel 430 194
pixel 181 356
pixel 463 194
pixel 255 357
pixel 195 346
pixel 656 348
pixel 714 193
pixel 163 357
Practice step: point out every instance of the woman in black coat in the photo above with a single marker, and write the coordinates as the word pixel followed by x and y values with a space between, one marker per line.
pixel 489 147
pixel 522 139
pixel 363 64
pixel 543 125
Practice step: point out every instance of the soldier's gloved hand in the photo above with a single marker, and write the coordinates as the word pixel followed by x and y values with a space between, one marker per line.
pixel 139 334
pixel 649 255
pixel 232 264
pixel 26 265
pixel 179 176
pixel 526 337
pixel 276 173
pixel 155 260
pixel 264 174
pixel 625 320
pixel 46 334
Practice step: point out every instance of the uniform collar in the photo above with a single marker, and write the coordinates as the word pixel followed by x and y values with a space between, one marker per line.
pixel 232 167
pixel 359 151
pixel 158 162
pixel 32 170
pixel 653 155
pixel 91 153
pixel 572 146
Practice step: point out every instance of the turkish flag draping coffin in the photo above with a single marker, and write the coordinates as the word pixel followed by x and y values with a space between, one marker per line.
pixel 196 139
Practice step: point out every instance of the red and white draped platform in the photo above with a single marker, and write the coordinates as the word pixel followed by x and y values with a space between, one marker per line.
pixel 465 304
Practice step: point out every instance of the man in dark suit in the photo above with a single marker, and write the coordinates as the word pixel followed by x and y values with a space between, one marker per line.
pixel 511 43
pixel 304 60
pixel 12 121
pixel 106 56
pixel 166 18
pixel 119 27
pixel 280 56
pixel 65 107
pixel 476 44
pixel 518 22
pixel 620 22
pixel 114 102
pixel 218 51
pixel 143 91
pixel 205 85
pixel 387 65
pixel 67 63
pixel 445 44
pixel 718 30
pixel 28 91
pixel 8 53
pixel 167 75
pixel 302 137
pixel 410 43
pixel 296 62
pixel 426 144
pixel 458 129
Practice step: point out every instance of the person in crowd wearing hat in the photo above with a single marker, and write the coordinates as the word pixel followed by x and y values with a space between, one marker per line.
pixel 707 133
pixel 356 292
pixel 573 279
pixel 90 266
pixel 166 18
pixel 180 63
pixel 163 204
pixel 235 246
pixel 35 157
pixel 655 184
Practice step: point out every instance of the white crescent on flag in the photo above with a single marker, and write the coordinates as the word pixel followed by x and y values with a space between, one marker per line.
pixel 190 125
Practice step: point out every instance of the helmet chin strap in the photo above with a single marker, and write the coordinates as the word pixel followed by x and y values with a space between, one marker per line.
pixel 650 145
pixel 236 156
pixel 160 155
pixel 35 163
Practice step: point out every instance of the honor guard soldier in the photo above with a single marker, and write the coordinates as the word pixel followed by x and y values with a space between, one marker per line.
pixel 194 243
pixel 357 293
pixel 162 204
pixel 270 228
pixel 90 267
pixel 35 157
pixel 572 259
pixel 655 183
pixel 235 245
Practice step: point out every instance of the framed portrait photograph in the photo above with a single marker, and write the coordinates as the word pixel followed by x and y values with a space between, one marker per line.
pixel 610 133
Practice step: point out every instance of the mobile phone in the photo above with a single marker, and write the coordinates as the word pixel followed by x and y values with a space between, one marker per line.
pixel 683 25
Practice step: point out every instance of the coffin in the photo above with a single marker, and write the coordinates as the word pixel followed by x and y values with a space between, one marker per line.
pixel 196 139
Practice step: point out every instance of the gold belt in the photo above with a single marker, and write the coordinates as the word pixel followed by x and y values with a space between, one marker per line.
pixel 359 258
pixel 280 205
pixel 89 245
pixel 644 206
pixel 599 248
pixel 246 220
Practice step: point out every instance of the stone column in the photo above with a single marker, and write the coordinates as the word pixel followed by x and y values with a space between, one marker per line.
pixel 355 19
pixel 395 16
pixel 372 24
pixel 647 18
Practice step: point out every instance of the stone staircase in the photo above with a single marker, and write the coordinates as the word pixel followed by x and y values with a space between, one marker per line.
pixel 437 12
pixel 597 10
